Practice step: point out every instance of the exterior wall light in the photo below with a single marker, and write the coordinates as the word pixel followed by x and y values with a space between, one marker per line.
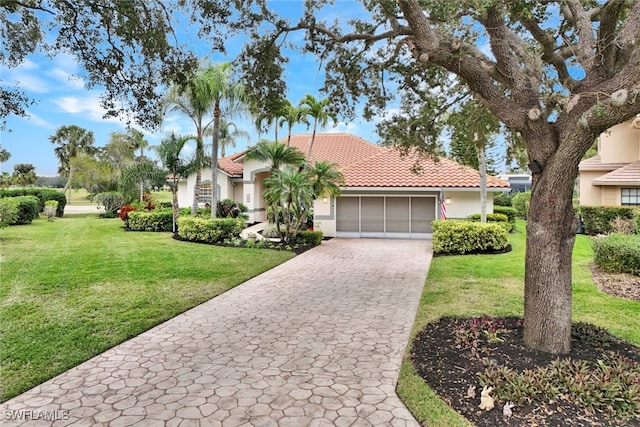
pixel 447 201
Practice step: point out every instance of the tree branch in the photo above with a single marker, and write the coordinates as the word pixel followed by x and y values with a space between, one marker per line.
pixel 627 39
pixel 582 21
pixel 606 49
pixel 549 53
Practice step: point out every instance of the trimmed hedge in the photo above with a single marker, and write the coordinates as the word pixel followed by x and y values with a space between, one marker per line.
pixel 43 195
pixel 309 238
pixel 209 230
pixel 511 213
pixel 461 237
pixel 8 211
pixel 155 220
pixel 617 253
pixel 496 218
pixel 26 208
pixel 597 219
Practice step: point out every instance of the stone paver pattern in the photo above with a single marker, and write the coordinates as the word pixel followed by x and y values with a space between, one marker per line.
pixel 316 341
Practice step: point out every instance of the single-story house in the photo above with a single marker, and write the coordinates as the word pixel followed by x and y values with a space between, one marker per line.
pixel 612 177
pixel 381 197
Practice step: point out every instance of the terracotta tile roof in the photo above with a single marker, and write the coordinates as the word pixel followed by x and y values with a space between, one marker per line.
pixel 595 164
pixel 230 165
pixel 388 168
pixel 626 175
pixel 341 148
pixel 368 165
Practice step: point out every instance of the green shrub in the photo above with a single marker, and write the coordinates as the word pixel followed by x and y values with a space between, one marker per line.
pixel 617 253
pixel 43 195
pixel 27 209
pixel 636 220
pixel 309 238
pixel 8 211
pixel 521 202
pixel 510 212
pixel 501 199
pixel 209 230
pixel 110 202
pixel 155 220
pixel 460 237
pixel 501 219
pixel 597 219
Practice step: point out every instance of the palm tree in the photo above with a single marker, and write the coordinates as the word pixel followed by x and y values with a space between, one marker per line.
pixel 228 135
pixel 318 111
pixel 222 89
pixel 195 101
pixel 71 140
pixel 272 117
pixel 291 116
pixel 276 153
pixel 170 153
pixel 4 155
pixel 292 191
pixel 326 179
pixel 24 174
pixel 137 141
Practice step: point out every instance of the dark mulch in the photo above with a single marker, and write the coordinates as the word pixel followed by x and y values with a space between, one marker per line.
pixel 450 370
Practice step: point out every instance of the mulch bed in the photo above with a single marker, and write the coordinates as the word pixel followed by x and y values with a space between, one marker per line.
pixel 450 371
pixel 622 285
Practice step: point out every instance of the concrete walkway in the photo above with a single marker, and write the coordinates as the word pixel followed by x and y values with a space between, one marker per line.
pixel 316 341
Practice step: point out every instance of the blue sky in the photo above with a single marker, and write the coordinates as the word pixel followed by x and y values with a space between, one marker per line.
pixel 63 100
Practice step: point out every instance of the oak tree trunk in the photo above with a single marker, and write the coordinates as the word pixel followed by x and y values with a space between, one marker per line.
pixel 551 227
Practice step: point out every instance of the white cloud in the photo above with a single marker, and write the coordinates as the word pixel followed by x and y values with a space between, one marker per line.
pixel 88 107
pixel 38 121
pixel 343 127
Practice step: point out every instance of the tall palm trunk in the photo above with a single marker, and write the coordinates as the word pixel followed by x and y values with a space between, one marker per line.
pixel 214 159
pixel 482 168
pixel 313 138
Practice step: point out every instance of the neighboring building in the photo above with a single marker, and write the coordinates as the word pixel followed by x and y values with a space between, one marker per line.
pixel 519 182
pixel 382 197
pixel 612 178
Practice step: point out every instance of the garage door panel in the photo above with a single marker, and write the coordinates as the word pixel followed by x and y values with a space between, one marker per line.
pixel 348 211
pixel 372 211
pixel 397 215
pixel 422 213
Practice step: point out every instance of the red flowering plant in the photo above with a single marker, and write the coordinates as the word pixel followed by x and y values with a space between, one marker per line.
pixel 123 213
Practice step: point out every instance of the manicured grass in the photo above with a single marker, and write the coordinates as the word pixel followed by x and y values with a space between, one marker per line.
pixel 74 287
pixel 473 285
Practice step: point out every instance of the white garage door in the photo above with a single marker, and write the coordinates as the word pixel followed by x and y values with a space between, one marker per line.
pixel 385 216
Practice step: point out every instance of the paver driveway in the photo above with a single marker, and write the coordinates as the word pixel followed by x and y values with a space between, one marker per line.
pixel 316 341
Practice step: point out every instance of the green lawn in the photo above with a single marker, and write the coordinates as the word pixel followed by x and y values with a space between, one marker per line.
pixel 74 287
pixel 474 285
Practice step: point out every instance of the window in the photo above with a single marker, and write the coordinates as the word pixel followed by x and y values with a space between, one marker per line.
pixel 205 193
pixel 631 197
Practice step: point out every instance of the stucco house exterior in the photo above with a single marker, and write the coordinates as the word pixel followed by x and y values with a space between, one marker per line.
pixel 381 197
pixel 612 178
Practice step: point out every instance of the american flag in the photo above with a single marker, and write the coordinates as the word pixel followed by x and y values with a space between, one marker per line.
pixel 443 207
